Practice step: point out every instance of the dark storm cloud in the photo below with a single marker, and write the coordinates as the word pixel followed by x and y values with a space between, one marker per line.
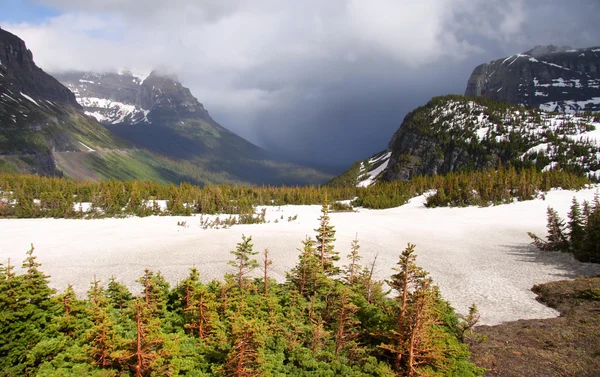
pixel 319 81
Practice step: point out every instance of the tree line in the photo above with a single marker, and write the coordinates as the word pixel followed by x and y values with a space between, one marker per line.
pixel 580 235
pixel 323 320
pixel 29 196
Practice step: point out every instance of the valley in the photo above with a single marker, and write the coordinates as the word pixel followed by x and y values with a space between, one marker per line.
pixel 156 241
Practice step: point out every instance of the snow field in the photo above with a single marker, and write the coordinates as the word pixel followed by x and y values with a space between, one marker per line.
pixel 475 255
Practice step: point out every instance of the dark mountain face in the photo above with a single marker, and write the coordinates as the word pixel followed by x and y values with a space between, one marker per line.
pixel 39 117
pixel 18 73
pixel 157 113
pixel 455 133
pixel 549 77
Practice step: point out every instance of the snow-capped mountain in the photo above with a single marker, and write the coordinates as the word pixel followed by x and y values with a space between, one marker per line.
pixel 111 98
pixel 549 77
pixel 454 133
pixel 155 112
pixel 158 113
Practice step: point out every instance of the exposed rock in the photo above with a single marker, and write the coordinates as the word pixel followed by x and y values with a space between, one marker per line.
pixel 158 113
pixel 19 73
pixel 552 78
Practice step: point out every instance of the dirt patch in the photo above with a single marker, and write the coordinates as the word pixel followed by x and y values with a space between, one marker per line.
pixel 71 163
pixel 565 346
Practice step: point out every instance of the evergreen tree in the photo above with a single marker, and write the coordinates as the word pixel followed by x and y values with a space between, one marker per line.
pixel 32 312
pixel 412 342
pixel 307 276
pixel 352 271
pixel 118 294
pixel 242 262
pixel 346 324
pixel 101 336
pixel 245 358
pixel 576 229
pixel 325 239
pixel 557 241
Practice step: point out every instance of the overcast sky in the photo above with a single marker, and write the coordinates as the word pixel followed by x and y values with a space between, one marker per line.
pixel 324 81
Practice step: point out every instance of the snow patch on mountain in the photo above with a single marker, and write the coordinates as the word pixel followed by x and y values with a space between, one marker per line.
pixel 113 112
pixel 30 99
pixel 372 169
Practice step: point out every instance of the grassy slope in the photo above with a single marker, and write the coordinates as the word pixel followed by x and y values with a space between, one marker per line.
pixel 565 346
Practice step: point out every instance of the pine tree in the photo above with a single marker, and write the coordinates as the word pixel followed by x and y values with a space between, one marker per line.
pixel 307 276
pixel 244 359
pixel 101 335
pixel 266 263
pixel 346 324
pixel 325 239
pixel 242 262
pixel 576 229
pixel 556 240
pixel 118 294
pixel 353 268
pixel 412 342
pixel 155 291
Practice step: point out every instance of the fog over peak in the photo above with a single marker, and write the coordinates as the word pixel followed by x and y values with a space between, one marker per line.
pixel 318 81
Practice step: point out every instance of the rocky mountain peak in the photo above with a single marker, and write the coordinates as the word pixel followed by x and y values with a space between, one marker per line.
pixel 549 77
pixel 127 98
pixel 165 92
pixel 18 73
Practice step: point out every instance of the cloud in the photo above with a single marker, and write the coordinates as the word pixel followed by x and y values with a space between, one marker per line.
pixel 298 76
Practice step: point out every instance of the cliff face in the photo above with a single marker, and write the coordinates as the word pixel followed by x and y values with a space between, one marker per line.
pixel 39 117
pixel 19 73
pixel 456 133
pixel 158 113
pixel 551 78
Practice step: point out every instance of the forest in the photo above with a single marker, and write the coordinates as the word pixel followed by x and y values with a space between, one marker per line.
pixel 580 236
pixel 323 320
pixel 30 196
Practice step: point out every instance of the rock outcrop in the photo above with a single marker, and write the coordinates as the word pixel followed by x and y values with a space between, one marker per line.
pixel 549 77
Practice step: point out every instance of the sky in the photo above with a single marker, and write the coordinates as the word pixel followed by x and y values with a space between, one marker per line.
pixel 320 82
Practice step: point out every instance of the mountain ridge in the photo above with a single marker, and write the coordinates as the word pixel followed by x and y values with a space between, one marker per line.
pixel 455 133
pixel 549 77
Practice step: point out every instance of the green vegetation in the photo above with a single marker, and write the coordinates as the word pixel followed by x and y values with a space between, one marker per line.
pixel 456 133
pixel 316 323
pixel 580 236
pixel 34 196
pixel 350 177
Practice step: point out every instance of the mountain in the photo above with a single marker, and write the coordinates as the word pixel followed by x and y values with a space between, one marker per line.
pixel 549 77
pixel 159 130
pixel 39 117
pixel 158 113
pixel 456 133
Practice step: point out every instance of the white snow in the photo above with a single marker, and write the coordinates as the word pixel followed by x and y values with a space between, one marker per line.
pixel 30 99
pixel 556 65
pixel 86 81
pixel 372 174
pixel 9 97
pixel 570 106
pixel 109 111
pixel 99 117
pixel 88 148
pixel 475 255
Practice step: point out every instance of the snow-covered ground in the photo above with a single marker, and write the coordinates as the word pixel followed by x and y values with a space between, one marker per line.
pixel 475 255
